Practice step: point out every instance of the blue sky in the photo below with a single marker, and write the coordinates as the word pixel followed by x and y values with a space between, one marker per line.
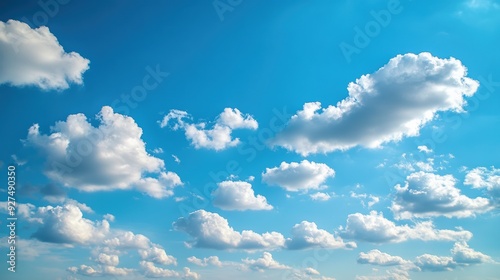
pixel 249 139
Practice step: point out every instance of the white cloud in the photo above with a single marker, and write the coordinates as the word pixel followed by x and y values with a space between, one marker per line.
pixel 65 224
pixel 424 149
pixel 35 57
pixel 377 229
pixel 392 103
pixel 152 271
pixel 307 235
pixel 209 230
pixel 321 196
pixel 157 255
pixel 464 255
pixel 109 217
pixel 435 263
pixel 212 260
pixel 376 257
pixel 127 240
pixel 100 270
pixel 176 159
pixel 109 260
pixel 264 263
pixel 489 179
pixel 301 176
pixel 238 195
pixel 367 200
pixel 216 138
pixel 104 158
pixel 428 195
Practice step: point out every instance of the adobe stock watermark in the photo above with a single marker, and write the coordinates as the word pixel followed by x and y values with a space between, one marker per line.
pixel 452 120
pixel 364 36
pixel 223 6
pixel 249 148
pixel 48 9
pixel 123 105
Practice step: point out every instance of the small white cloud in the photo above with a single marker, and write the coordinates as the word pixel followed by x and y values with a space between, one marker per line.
pixel 376 257
pixel 109 217
pixel 219 136
pixel 18 161
pixel 367 200
pixel 394 102
pixel 296 176
pixel 176 159
pixel 238 195
pixel 157 255
pixel 424 149
pixel 35 57
pixel 320 196
pixel 158 151
pixel 264 263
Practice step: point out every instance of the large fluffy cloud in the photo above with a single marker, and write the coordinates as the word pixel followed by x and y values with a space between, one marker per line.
pixel 210 230
pixel 387 105
pixel 65 224
pixel 238 195
pixel 107 157
pixel 427 195
pixel 377 229
pixel 35 57
pixel 216 138
pixel 297 176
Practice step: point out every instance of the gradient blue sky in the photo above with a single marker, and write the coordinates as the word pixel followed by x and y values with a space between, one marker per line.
pixel 225 166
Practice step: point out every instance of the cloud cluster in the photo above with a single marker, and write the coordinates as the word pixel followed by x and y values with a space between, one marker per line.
pixel 34 57
pixel 238 195
pixel 484 178
pixel 298 176
pixel 428 195
pixel 393 102
pixel 210 230
pixel 375 228
pixel 107 157
pixel 216 138
pixel 461 255
pixel 65 225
